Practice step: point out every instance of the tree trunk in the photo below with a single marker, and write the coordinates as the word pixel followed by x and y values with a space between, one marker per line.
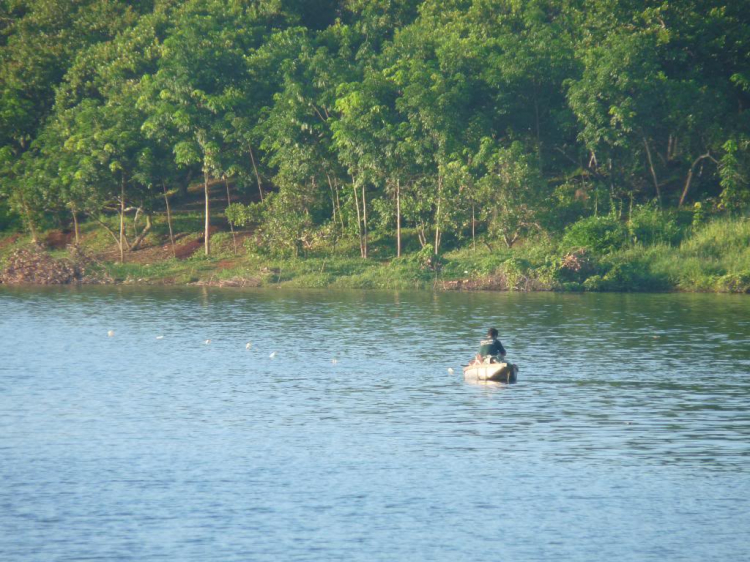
pixel 257 177
pixel 437 216
pixel 359 218
pixel 333 198
pixel 29 220
pixel 473 228
pixel 229 202
pixel 135 222
pixel 109 230
pixel 422 235
pixel 689 179
pixel 630 208
pixel 611 187
pixel 169 219
pixel 338 203
pixel 75 225
pixel 398 218
pixel 207 235
pixel 364 220
pixel 509 241
pixel 122 220
pixel 653 171
pixel 142 236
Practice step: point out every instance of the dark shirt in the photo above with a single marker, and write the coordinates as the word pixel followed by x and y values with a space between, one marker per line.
pixel 491 346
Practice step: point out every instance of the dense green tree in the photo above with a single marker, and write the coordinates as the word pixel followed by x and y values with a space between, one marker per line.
pixel 200 81
pixel 482 118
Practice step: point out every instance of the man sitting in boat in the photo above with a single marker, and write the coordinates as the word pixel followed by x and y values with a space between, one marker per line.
pixel 490 349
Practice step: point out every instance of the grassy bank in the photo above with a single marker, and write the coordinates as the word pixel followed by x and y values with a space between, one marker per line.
pixel 714 257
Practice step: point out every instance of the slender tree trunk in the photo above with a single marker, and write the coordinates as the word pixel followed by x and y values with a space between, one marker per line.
pixel 422 235
pixel 359 219
pixel 135 222
pixel 29 220
pixel 398 218
pixel 207 236
pixel 437 215
pixel 364 220
pixel 653 171
pixel 596 201
pixel 338 203
pixel 169 219
pixel 510 240
pixel 75 225
pixel 611 187
pixel 333 198
pixel 142 236
pixel 689 179
pixel 109 230
pixel 473 228
pixel 630 208
pixel 257 176
pixel 231 228
pixel 122 220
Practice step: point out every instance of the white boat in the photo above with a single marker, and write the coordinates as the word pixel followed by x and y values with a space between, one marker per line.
pixel 498 372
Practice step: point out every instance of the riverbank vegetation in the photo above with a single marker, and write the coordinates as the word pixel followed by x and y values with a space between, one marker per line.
pixel 467 144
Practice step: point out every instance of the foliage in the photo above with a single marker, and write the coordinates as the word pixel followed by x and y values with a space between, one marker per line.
pixel 400 126
pixel 600 234
pixel 648 226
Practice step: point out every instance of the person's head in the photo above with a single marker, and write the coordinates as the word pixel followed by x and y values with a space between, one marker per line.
pixel 492 332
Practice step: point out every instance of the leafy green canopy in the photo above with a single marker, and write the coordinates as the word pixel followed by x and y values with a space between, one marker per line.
pixel 497 119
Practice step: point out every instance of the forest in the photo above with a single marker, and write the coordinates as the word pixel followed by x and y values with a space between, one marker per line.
pixel 587 144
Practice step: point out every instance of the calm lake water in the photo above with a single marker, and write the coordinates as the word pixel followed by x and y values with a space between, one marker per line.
pixel 626 438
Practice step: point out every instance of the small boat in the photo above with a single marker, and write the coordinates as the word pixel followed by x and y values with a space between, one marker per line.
pixel 497 372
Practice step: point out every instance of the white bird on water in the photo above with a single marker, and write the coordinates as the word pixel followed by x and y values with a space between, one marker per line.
pixel 248 345
pixel 207 342
pixel 273 354
pixel 111 333
pixel 450 370
pixel 159 337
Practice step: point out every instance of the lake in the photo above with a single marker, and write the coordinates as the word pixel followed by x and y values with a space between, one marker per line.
pixel 626 438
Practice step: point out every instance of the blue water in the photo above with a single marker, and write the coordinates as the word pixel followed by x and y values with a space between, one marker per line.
pixel 626 438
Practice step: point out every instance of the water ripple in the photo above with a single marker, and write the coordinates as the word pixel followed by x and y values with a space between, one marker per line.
pixel 627 436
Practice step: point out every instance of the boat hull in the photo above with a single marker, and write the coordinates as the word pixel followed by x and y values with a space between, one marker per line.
pixel 496 372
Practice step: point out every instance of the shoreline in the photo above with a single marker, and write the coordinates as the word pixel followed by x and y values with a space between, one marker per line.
pixel 712 260
pixel 34 266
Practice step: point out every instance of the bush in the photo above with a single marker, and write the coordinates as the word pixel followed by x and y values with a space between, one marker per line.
pixel 8 219
pixel 424 258
pixel 719 238
pixel 599 235
pixel 648 225
pixel 734 283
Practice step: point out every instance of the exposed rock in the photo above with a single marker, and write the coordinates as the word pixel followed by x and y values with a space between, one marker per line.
pixel 497 282
pixel 231 282
pixel 32 265
pixel 577 263
pixel 58 239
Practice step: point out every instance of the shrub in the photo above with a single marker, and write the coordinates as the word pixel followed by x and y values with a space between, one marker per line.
pixel 425 258
pixel 576 267
pixel 600 235
pixel 719 238
pixel 734 282
pixel 8 219
pixel 648 225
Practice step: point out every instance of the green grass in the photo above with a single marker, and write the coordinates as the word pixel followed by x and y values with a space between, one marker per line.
pixel 714 258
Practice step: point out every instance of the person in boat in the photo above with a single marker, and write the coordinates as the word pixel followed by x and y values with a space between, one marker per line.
pixel 490 349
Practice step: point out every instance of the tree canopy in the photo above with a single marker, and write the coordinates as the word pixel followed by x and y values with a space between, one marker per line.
pixel 452 118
